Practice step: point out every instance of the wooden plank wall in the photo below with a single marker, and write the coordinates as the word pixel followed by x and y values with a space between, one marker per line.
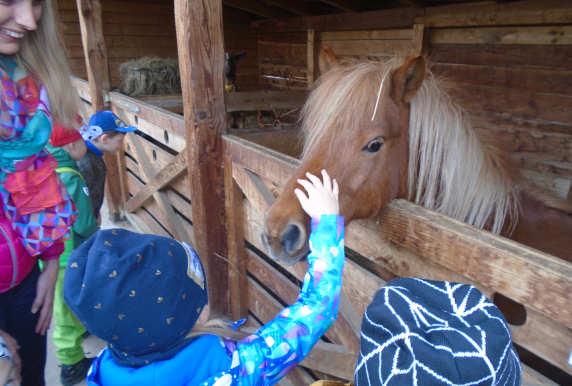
pixel 134 29
pixel 517 84
pixel 282 60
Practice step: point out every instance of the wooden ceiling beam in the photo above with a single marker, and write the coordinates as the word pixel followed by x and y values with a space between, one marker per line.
pixel 385 19
pixel 344 5
pixel 297 7
pixel 256 8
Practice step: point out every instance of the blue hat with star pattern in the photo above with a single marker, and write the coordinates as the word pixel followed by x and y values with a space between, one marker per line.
pixel 427 332
pixel 140 293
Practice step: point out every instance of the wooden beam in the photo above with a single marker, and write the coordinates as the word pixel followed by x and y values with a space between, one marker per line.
pixel 530 277
pixel 520 35
pixel 312 57
pixel 82 88
pixel 264 100
pixel 94 50
pixel 297 7
pixel 158 181
pixel 256 8
pixel 529 12
pixel 344 5
pixel 385 19
pixel 235 240
pixel 236 101
pixel 201 62
pixel 172 221
pixel 171 121
pixel 97 67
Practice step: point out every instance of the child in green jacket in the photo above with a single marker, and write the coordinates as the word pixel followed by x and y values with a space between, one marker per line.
pixel 67 146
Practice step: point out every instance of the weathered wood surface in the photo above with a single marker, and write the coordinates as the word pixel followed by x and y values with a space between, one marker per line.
pixel 340 333
pixel 386 19
pixel 155 217
pixel 133 110
pixel 264 100
pixel 97 68
pixel 235 243
pixel 182 206
pixel 529 12
pixel 388 34
pixel 553 35
pixel 82 88
pixel 311 58
pixel 159 180
pixel 370 48
pixel 94 50
pixel 201 62
pixel 149 172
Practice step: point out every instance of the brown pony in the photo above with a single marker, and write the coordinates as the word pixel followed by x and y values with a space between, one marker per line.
pixel 387 130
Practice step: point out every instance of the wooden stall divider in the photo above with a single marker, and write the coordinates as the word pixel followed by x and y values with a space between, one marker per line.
pixel 97 66
pixel 199 25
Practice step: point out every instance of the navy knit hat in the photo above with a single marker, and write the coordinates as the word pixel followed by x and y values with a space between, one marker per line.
pixel 140 293
pixel 436 333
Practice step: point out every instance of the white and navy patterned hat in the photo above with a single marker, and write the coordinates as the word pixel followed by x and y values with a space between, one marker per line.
pixel 422 332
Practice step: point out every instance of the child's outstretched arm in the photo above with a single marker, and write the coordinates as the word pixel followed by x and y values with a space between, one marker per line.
pixel 278 346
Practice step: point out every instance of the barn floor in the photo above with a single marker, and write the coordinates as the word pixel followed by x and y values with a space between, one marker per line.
pixel 92 345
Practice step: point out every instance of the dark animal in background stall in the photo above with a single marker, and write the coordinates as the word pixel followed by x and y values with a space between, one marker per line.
pixel 230 62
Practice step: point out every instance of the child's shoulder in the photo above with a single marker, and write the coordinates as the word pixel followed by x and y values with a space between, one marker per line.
pixel 174 371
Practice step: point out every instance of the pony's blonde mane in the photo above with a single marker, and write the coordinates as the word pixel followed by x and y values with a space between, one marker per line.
pixel 450 169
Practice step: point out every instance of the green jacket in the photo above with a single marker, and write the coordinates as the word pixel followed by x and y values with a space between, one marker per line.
pixel 85 224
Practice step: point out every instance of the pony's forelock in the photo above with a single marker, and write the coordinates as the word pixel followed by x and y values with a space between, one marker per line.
pixel 342 98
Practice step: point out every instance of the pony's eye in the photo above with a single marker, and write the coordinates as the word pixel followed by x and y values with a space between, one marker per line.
pixel 374 145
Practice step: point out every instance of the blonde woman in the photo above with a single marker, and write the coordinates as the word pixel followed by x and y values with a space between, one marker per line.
pixel 35 211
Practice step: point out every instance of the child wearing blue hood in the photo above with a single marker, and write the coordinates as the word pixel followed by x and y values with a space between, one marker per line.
pixel 143 295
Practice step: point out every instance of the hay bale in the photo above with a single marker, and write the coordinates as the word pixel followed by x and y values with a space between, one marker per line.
pixel 150 76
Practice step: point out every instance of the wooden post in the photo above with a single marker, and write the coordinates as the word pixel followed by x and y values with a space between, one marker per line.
pixel 201 63
pixel 312 55
pixel 97 68
pixel 238 282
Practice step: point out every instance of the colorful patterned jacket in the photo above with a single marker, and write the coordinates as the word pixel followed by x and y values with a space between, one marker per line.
pixel 264 357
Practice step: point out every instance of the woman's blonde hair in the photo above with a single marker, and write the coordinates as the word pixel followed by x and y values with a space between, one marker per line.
pixel 43 55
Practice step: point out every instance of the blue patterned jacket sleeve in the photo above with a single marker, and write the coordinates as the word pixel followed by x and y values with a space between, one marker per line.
pixel 278 346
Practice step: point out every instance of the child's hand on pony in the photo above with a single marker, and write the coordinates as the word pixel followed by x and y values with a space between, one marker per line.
pixel 321 197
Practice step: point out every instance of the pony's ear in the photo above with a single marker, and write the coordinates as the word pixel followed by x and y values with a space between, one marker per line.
pixel 327 59
pixel 407 79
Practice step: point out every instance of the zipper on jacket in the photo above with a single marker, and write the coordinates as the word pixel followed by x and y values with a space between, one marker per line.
pixel 12 249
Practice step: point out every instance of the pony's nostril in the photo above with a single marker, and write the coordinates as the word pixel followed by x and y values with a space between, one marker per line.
pixel 291 238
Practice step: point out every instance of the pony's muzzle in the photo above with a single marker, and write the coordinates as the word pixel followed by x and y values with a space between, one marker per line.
pixel 289 246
